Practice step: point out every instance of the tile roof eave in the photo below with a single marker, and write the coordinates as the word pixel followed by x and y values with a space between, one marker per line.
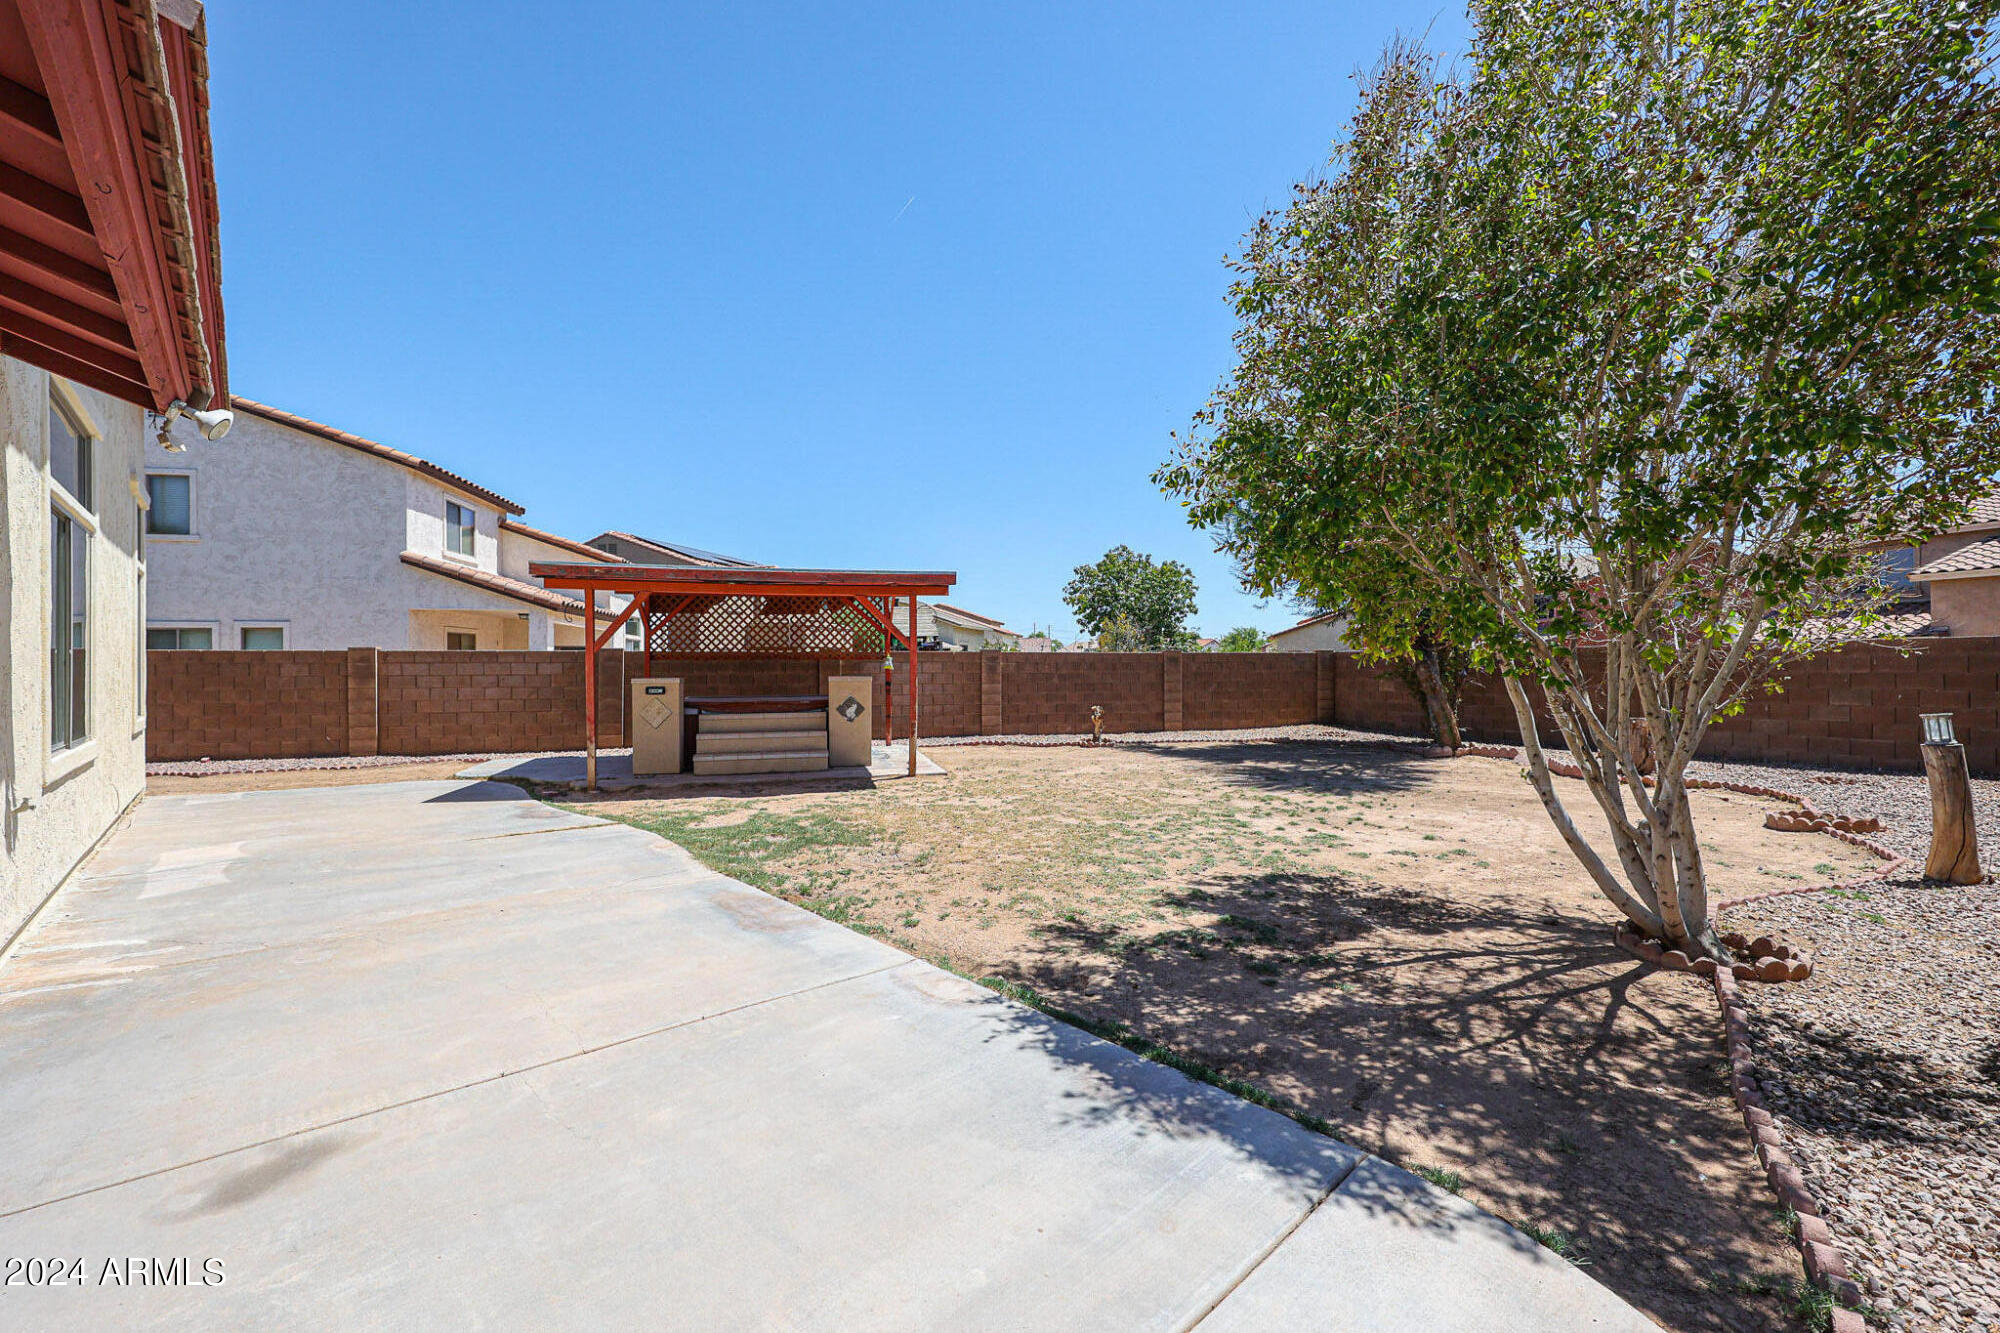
pixel 335 435
pixel 497 584
pixel 561 543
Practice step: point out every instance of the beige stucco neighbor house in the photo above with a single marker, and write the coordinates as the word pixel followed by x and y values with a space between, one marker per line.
pixel 1961 572
pixel 1321 633
pixel 295 534
pixel 954 629
pixel 110 313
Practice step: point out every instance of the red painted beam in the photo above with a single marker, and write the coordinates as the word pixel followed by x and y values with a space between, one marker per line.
pixel 26 111
pixel 85 70
pixel 22 349
pixel 65 315
pixel 64 274
pixel 24 325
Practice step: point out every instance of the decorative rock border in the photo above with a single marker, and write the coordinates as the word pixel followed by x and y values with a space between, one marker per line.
pixel 1825 1264
pixel 1770 961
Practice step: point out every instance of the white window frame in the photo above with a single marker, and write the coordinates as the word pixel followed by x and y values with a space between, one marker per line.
pixel 284 628
pixel 470 526
pixel 193 534
pixel 58 764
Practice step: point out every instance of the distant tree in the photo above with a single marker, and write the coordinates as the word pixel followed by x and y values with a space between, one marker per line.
pixel 1242 639
pixel 1153 601
pixel 1120 635
pixel 1615 348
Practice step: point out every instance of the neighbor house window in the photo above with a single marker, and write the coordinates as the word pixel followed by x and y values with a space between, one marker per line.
pixel 171 513
pixel 170 639
pixel 461 641
pixel 69 630
pixel 262 638
pixel 458 529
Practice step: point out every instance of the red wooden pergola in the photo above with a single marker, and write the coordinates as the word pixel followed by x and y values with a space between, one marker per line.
pixel 709 611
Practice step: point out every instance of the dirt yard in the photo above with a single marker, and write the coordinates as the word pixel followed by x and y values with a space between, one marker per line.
pixel 1400 946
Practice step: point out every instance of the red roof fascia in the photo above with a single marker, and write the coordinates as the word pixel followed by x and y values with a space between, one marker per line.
pixel 726 582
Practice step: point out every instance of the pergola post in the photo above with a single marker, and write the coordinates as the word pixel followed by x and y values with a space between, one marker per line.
pixel 590 688
pixel 913 684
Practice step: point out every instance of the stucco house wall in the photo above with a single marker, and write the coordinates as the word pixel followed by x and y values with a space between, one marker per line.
pixel 1318 635
pixel 56 805
pixel 1966 607
pixel 294 530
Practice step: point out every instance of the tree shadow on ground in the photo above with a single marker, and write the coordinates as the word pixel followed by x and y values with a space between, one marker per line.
pixel 1569 1085
pixel 1342 768
pixel 1842 1081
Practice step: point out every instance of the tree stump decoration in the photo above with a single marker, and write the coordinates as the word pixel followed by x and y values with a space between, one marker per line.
pixel 1954 854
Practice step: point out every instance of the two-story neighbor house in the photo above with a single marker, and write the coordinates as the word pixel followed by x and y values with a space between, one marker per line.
pixel 295 534
pixel 110 311
pixel 1960 570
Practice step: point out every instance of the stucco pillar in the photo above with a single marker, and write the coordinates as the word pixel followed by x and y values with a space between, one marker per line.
pixel 541 632
pixel 363 729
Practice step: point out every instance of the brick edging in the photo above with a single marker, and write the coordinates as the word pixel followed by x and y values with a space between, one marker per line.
pixel 1825 1263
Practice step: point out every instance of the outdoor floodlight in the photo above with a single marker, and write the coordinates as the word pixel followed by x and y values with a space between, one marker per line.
pixel 213 425
pixel 1937 729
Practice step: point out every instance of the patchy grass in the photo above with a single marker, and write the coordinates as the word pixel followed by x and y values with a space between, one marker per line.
pixel 1442 1178
pixel 1560 1242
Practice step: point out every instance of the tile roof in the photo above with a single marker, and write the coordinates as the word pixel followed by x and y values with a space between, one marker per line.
pixel 1976 558
pixel 352 441
pixel 693 554
pixel 563 543
pixel 969 615
pixel 1985 509
pixel 495 583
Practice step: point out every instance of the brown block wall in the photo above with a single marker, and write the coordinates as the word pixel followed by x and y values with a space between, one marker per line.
pixel 1047 693
pixel 1222 690
pixel 458 703
pixel 1855 708
pixel 236 705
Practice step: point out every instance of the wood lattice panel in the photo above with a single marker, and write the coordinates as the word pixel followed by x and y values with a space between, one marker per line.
pixel 789 626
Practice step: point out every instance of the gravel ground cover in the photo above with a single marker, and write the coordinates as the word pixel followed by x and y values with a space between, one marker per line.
pixel 1884 1073
pixel 1304 731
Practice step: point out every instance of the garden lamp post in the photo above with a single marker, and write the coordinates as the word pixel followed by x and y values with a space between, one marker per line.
pixel 1954 854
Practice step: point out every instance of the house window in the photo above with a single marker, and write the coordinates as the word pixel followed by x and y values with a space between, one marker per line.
pixel 262 638
pixel 174 638
pixel 461 641
pixel 458 529
pixel 171 513
pixel 69 454
pixel 69 630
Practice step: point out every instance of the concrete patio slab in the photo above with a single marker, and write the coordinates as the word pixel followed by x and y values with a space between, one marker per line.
pixel 434 1053
pixel 1388 1251
pixel 614 771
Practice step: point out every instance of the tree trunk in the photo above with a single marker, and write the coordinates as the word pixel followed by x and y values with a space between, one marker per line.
pixel 1954 854
pixel 1430 683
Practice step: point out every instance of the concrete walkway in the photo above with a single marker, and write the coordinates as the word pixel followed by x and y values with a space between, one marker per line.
pixel 433 1054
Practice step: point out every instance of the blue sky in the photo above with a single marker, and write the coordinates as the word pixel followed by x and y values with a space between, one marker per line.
pixel 924 286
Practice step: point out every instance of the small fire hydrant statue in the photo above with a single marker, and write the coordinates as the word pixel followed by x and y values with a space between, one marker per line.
pixel 1954 856
pixel 1096 725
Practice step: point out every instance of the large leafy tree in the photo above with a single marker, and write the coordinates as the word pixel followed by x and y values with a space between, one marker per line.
pixel 1616 345
pixel 1132 603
